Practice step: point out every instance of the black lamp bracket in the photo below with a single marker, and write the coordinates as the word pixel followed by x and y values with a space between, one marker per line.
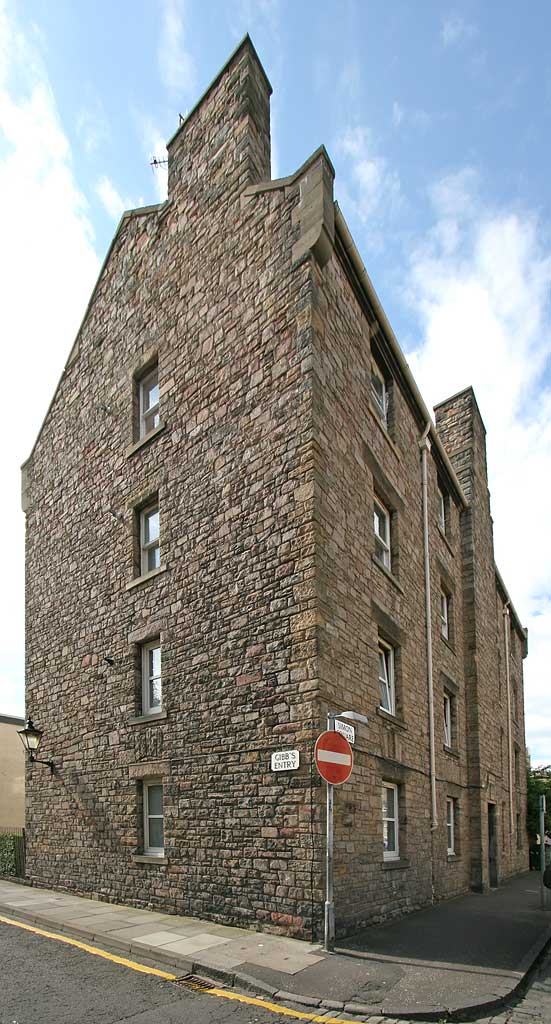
pixel 37 760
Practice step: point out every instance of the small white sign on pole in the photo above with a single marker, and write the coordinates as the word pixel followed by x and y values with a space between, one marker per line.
pixel 285 760
pixel 346 730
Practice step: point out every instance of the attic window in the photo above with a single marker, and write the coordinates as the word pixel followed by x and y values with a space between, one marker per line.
pixel 379 393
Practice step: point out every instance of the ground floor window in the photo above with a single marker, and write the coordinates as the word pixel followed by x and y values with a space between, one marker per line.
pixel 391 849
pixel 451 816
pixel 153 819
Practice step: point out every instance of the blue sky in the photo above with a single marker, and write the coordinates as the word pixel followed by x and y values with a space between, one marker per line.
pixel 437 118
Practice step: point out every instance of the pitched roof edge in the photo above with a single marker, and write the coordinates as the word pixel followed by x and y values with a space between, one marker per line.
pixel 246 42
pixel 142 211
pixel 512 609
pixel 277 183
pixel 11 720
pixel 351 249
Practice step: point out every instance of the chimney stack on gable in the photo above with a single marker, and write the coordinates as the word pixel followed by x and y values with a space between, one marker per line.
pixel 224 143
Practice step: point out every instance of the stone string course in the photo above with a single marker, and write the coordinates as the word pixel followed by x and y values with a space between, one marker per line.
pixel 270 603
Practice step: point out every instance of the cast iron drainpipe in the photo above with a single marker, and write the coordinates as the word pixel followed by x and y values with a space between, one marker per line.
pixel 424 444
pixel 506 628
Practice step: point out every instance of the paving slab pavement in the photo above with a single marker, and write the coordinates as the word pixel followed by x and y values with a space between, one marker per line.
pixel 471 951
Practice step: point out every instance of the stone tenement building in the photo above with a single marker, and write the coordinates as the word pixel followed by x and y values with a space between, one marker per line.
pixel 226 511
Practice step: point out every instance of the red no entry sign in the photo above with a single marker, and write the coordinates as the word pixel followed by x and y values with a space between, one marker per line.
pixel 334 759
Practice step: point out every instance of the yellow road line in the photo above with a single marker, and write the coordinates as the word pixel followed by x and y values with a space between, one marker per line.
pixel 90 949
pixel 283 1011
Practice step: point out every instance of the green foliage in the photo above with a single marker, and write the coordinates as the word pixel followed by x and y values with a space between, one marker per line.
pixel 8 853
pixel 539 784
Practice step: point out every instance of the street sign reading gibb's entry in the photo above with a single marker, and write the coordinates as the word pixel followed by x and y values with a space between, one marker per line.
pixel 334 758
pixel 285 760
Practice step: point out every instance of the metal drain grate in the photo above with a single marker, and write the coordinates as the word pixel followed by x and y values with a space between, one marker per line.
pixel 195 982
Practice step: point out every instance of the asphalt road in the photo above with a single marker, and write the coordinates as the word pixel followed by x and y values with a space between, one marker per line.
pixel 43 981
pixel 47 982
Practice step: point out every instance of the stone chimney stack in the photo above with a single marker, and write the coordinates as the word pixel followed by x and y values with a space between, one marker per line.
pixel 223 144
pixel 460 426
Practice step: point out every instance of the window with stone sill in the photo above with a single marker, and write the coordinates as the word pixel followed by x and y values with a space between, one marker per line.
pixel 381 529
pixel 380 394
pixel 391 842
pixel 151 677
pixel 443 510
pixel 449 720
pixel 451 824
pixel 148 402
pixel 150 538
pixel 387 686
pixel 153 818
pixel 445 617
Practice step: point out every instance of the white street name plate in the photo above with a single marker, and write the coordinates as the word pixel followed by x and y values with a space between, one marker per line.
pixel 346 730
pixel 285 760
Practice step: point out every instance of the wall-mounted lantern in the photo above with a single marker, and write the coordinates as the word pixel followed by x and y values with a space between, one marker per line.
pixel 30 738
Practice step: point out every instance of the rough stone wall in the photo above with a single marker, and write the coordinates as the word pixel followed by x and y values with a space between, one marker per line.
pixel 462 430
pixel 210 290
pixel 357 458
pixel 269 601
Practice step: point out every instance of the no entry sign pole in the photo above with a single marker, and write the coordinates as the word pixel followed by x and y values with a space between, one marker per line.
pixel 329 929
pixel 542 851
pixel 334 761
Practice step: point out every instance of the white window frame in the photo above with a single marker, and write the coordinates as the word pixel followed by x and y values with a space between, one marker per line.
pixel 441 510
pixel 450 825
pixel 395 853
pixel 380 400
pixel 147 546
pixel 147 678
pixel 447 720
pixel 384 554
pixel 445 615
pixel 151 851
pixel 387 678
pixel 148 412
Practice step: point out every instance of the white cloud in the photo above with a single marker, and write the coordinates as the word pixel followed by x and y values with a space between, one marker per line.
pixel 92 127
pixel 47 268
pixel 372 188
pixel 348 83
pixel 255 17
pixel 456 30
pixel 397 114
pixel 111 199
pixel 155 149
pixel 480 287
pixel 413 118
pixel 176 66
pixel 12 694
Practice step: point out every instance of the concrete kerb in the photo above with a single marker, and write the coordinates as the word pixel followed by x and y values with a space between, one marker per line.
pixel 240 980
pixel 232 979
pixel 465 1014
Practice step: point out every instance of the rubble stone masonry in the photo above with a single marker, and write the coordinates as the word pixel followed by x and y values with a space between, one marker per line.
pixel 269 601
